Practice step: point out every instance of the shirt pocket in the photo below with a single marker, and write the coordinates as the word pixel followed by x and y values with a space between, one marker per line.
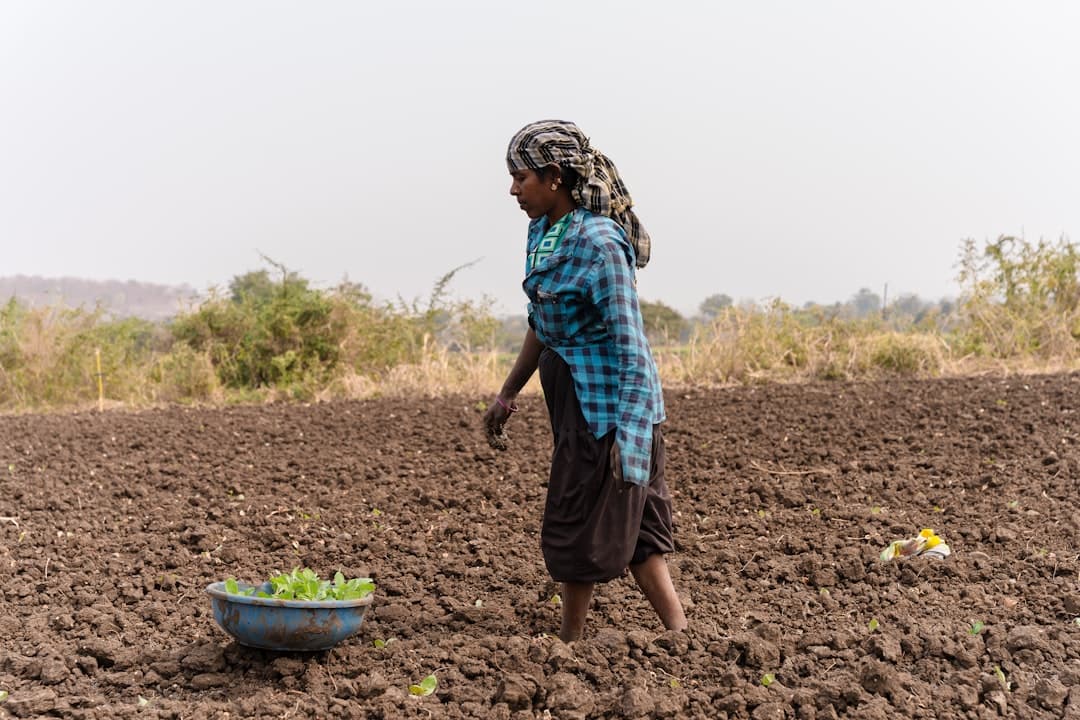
pixel 550 314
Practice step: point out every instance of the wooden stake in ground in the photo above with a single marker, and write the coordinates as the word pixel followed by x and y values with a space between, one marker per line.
pixel 100 383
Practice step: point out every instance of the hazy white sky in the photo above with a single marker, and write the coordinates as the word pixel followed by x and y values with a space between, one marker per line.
pixel 793 149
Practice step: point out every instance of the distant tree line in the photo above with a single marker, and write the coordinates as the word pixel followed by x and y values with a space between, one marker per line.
pixel 665 324
pixel 116 298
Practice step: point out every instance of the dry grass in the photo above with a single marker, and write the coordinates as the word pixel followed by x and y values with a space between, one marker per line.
pixel 242 352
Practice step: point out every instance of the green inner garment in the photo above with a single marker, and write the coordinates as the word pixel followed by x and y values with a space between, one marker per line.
pixel 549 243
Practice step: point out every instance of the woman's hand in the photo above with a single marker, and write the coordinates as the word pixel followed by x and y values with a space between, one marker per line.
pixel 616 461
pixel 503 406
pixel 494 421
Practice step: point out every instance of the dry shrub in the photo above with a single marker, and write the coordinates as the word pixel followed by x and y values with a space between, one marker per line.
pixel 910 355
pixel 48 357
pixel 186 375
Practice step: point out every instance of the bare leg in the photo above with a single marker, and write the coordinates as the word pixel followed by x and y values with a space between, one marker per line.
pixel 653 578
pixel 575 605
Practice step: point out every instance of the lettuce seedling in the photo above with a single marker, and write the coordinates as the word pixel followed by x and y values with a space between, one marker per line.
pixel 1005 684
pixel 233 588
pixel 426 686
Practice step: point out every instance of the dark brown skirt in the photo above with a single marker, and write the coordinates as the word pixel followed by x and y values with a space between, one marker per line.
pixel 595 526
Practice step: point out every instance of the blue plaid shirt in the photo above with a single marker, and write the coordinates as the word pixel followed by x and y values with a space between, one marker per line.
pixel 584 305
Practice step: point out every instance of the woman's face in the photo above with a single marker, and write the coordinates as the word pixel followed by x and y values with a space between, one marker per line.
pixel 533 194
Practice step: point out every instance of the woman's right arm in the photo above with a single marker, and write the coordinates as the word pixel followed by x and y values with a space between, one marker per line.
pixel 525 365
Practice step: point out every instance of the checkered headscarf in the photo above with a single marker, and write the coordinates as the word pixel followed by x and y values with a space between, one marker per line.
pixel 599 188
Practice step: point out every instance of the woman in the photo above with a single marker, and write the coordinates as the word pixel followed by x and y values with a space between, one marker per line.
pixel 607 505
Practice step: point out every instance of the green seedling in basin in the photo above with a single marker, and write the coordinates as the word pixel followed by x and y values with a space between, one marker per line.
pixel 976 627
pixel 425 687
pixel 768 679
pixel 306 585
pixel 380 643
pixel 873 625
pixel 3 695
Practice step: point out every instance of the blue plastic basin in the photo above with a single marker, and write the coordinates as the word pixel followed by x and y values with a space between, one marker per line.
pixel 301 625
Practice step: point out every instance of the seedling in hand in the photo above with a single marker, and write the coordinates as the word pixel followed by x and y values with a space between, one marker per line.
pixel 497 437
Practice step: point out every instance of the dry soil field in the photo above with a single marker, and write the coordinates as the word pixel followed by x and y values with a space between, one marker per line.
pixel 112 525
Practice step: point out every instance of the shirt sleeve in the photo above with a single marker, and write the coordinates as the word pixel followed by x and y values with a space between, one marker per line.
pixel 613 293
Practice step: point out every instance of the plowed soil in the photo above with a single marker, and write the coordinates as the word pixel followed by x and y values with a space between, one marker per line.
pixel 112 525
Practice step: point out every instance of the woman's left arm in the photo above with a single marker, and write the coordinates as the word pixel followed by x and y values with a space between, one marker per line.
pixel 613 293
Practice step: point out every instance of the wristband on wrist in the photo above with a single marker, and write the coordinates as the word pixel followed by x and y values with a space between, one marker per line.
pixel 511 408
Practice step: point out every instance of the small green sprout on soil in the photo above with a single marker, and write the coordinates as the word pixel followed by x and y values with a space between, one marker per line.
pixel 976 627
pixel 675 683
pixel 3 695
pixel 873 625
pixel 1013 504
pixel 1002 679
pixel 425 687
pixel 556 600
pixel 875 510
pixel 380 643
pixel 306 585
pixel 768 679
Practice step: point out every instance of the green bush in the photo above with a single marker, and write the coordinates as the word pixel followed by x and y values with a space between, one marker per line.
pixel 1020 299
